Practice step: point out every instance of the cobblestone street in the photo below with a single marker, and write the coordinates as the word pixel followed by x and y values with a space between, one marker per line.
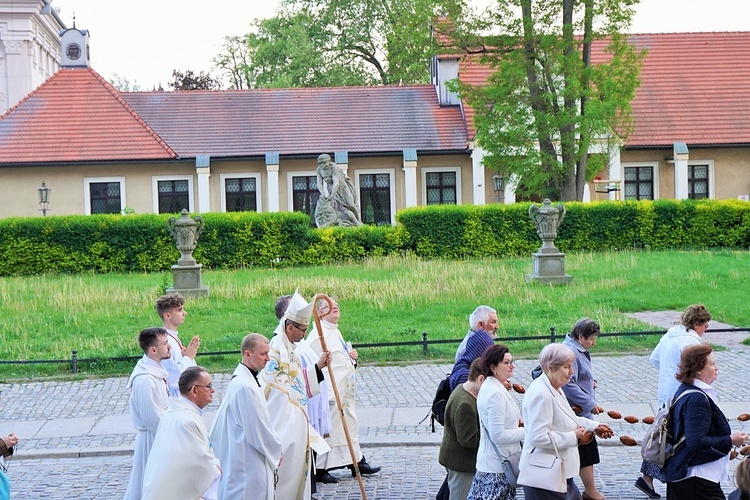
pixel 76 436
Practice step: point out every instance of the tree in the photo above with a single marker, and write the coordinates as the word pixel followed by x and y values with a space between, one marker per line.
pixel 123 84
pixel 190 81
pixel 547 101
pixel 340 42
pixel 233 62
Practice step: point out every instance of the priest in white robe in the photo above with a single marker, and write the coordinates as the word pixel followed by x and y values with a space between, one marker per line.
pixel 343 365
pixel 242 435
pixel 149 399
pixel 182 464
pixel 287 385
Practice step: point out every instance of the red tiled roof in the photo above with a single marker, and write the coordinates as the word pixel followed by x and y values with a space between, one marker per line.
pixel 472 72
pixel 302 121
pixel 76 116
pixel 695 88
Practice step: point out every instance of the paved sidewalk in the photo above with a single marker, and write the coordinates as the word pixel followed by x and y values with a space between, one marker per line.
pixel 76 437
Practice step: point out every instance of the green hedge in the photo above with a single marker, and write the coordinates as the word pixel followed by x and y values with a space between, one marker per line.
pixel 507 230
pixel 141 243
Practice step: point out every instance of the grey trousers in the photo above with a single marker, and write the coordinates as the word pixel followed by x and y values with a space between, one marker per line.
pixel 459 484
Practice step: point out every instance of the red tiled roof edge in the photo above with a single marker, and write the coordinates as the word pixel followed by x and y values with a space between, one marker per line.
pixel 116 94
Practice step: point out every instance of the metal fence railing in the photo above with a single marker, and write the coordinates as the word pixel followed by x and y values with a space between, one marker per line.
pixel 425 343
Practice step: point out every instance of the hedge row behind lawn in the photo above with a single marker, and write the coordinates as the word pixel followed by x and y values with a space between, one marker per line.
pixel 142 243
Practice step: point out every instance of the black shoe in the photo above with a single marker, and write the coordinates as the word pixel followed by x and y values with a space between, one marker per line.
pixel 364 468
pixel 644 487
pixel 325 477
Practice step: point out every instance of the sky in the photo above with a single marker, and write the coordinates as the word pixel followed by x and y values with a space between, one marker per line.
pixel 144 40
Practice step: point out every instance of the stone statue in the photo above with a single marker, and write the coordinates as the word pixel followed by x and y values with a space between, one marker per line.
pixel 338 204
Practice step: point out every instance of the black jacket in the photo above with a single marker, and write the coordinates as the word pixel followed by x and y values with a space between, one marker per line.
pixel 706 429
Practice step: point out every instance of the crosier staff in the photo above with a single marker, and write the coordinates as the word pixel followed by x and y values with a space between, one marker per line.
pixel 324 348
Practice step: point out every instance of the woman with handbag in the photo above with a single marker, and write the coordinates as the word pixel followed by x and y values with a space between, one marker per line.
pixel 701 436
pixel 550 459
pixel 499 426
pixel 666 357
pixel 580 393
pixel 458 450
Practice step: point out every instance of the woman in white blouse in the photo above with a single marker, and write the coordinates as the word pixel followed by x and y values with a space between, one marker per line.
pixel 500 431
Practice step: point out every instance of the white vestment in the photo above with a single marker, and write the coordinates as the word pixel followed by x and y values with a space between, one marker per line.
pixel 176 364
pixel 148 401
pixel 287 386
pixel 244 440
pixel 345 375
pixel 181 465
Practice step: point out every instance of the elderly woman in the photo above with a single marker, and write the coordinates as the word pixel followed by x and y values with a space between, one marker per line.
pixel 580 393
pixel 700 463
pixel 499 427
pixel 458 450
pixel 666 357
pixel 550 422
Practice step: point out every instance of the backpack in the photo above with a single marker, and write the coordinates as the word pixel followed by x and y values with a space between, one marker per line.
pixel 655 447
pixel 437 410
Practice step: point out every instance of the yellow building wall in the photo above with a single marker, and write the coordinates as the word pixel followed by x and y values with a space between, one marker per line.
pixel 18 186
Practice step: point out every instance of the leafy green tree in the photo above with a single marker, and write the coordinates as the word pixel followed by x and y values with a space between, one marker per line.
pixel 547 101
pixel 313 43
pixel 190 81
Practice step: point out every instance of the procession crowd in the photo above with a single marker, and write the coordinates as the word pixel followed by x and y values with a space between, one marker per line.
pixel 491 447
pixel 288 415
pixel 281 425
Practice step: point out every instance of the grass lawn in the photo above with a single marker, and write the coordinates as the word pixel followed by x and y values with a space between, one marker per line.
pixel 382 300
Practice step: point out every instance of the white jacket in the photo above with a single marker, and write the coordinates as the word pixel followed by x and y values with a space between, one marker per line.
pixel 500 435
pixel 547 416
pixel 666 357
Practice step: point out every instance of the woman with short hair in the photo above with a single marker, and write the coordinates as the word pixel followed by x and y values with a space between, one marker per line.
pixel 580 394
pixel 701 461
pixel 458 450
pixel 666 357
pixel 499 427
pixel 550 422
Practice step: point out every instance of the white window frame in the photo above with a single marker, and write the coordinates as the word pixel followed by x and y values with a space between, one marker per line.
pixel 155 189
pixel 392 183
pixel 87 181
pixel 654 173
pixel 426 170
pixel 289 185
pixel 711 183
pixel 258 188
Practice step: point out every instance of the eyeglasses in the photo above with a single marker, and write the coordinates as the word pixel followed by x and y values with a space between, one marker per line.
pixel 295 325
pixel 509 363
pixel 209 386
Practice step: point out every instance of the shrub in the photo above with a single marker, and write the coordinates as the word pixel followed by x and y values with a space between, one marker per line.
pixel 142 243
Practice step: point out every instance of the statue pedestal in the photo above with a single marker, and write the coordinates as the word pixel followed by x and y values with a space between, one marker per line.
pixel 549 267
pixel 187 281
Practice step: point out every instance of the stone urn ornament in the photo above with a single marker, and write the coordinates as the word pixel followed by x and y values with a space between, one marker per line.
pixel 549 262
pixel 187 272
pixel 186 231
pixel 547 219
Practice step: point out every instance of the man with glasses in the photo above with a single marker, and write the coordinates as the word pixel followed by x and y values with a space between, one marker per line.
pixel 182 463
pixel 288 382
